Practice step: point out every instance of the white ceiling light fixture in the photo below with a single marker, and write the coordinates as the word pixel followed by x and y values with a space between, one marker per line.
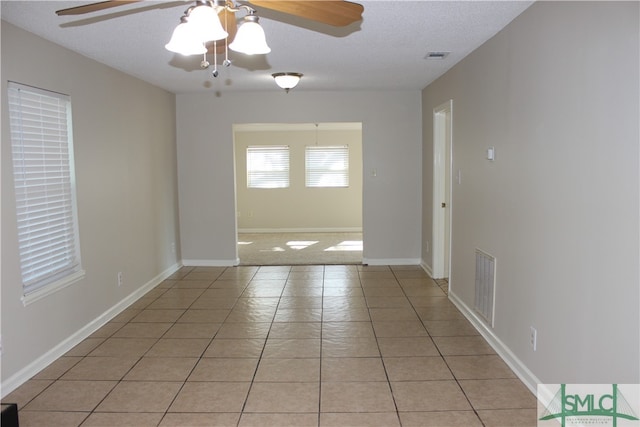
pixel 288 80
pixel 201 24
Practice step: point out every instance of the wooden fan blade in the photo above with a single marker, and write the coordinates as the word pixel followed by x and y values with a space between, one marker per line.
pixel 93 7
pixel 230 25
pixel 333 12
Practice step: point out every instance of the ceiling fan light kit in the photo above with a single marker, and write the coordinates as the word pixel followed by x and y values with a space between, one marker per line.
pixel 201 27
pixel 288 80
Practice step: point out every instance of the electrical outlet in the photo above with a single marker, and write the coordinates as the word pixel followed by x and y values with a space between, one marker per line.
pixel 533 338
pixel 120 278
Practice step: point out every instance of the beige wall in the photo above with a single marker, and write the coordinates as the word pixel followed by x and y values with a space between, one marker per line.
pixel 391 145
pixel 125 157
pixel 556 93
pixel 299 208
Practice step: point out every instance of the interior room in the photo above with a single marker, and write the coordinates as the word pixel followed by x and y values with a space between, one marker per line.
pixel 498 213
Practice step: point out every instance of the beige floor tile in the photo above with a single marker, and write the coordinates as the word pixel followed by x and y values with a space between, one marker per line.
pixel 440 419
pixel 342 291
pixel 288 370
pixel 27 392
pixel 388 302
pixel 222 369
pixel 344 302
pixel 416 368
pixel 204 316
pixel 335 369
pixel 126 315
pixel 211 397
pixel 200 420
pixel 479 367
pixel 365 419
pixel 142 330
pixel 418 396
pixel 123 347
pixel 418 301
pixel 498 394
pixel 244 315
pixel 140 396
pixel 298 315
pixel 350 347
pixel 422 290
pixel 300 302
pixel 302 292
pixel 380 283
pixel 278 420
pixel 85 347
pixel 462 346
pixel 178 347
pixel 449 328
pixel 107 330
pixel 101 368
pixel 374 291
pixel 243 347
pixel 439 313
pixel 332 330
pixel 407 346
pixel 292 397
pixel 341 282
pixel 399 329
pixel 67 396
pixel 296 330
pixel 51 418
pixel 244 330
pixel 58 368
pixel 158 316
pixel 193 330
pixel 212 303
pixel 162 369
pixel 202 276
pixel 393 314
pixel 338 314
pixel 192 284
pixel 356 397
pixel 111 419
pixel 509 417
pixel 257 304
pixel 291 348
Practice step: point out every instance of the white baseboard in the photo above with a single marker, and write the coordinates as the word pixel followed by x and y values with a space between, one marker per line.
pixel 516 365
pixel 426 268
pixel 390 261
pixel 302 230
pixel 210 262
pixel 59 350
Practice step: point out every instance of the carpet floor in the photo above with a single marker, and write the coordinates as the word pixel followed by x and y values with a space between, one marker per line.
pixel 299 248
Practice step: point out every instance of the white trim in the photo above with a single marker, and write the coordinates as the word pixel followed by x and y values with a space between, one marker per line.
pixel 285 127
pixel 440 144
pixel 391 261
pixel 63 347
pixel 52 288
pixel 516 365
pixel 426 268
pixel 210 262
pixel 302 230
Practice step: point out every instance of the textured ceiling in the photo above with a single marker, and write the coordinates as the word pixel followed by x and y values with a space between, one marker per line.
pixel 386 50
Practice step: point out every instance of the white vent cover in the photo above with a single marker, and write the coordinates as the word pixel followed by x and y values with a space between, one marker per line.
pixel 485 285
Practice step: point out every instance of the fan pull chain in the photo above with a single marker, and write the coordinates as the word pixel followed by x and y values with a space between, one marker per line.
pixel 215 59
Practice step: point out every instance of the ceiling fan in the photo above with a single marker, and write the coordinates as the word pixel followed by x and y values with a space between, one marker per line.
pixel 337 13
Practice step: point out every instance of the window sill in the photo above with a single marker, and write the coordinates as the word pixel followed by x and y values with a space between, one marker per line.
pixel 52 288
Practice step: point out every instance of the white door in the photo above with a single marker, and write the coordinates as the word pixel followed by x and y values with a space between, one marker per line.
pixel 442 160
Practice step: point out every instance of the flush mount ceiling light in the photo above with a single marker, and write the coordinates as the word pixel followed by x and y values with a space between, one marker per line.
pixel 287 81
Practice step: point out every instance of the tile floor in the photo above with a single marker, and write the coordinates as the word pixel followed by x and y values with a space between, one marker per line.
pixel 282 346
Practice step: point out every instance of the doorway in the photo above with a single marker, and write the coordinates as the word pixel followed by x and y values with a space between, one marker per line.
pixel 442 165
pixel 298 189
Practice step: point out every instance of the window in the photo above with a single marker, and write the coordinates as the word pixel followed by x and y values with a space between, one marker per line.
pixel 268 166
pixel 44 184
pixel 327 166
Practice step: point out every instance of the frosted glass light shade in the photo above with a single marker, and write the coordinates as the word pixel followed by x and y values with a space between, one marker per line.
pixel 250 38
pixel 206 24
pixel 185 42
pixel 287 80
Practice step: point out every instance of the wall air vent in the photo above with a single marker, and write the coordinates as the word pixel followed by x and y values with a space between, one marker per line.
pixel 437 55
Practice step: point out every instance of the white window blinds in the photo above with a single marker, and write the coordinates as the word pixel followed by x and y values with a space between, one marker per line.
pixel 327 166
pixel 268 166
pixel 42 149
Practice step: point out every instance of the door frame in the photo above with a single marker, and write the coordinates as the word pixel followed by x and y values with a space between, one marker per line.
pixel 442 141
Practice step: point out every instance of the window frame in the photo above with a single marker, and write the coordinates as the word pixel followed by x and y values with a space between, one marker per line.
pixel 41 134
